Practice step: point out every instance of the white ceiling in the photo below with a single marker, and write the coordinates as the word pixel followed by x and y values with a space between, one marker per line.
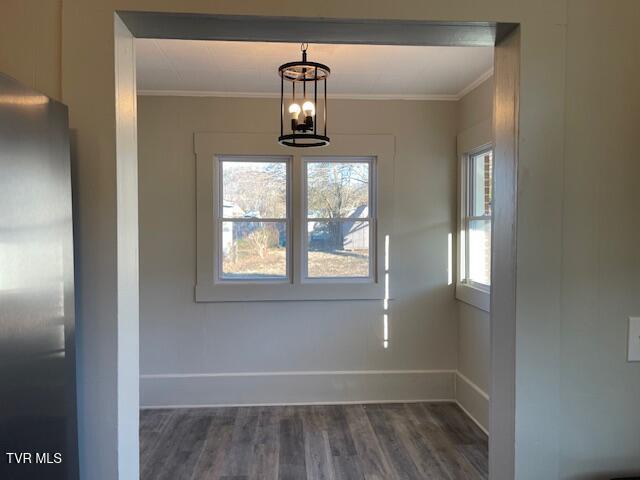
pixel 195 67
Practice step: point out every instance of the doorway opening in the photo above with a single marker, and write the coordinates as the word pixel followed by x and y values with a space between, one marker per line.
pixel 173 114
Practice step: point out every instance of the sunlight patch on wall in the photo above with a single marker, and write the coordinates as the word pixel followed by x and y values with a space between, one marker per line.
pixel 385 303
pixel 450 259
pixel 463 256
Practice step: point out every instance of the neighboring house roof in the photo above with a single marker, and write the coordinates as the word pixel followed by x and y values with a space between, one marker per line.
pixel 232 208
pixel 359 212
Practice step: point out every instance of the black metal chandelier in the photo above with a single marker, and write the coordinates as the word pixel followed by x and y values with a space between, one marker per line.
pixel 311 78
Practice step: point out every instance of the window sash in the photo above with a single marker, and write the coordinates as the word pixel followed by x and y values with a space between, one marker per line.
pixel 251 159
pixel 220 219
pixel 467 256
pixel 248 279
pixel 340 278
pixel 470 184
pixel 371 218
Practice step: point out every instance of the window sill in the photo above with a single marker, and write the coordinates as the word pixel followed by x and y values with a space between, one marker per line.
pixel 474 296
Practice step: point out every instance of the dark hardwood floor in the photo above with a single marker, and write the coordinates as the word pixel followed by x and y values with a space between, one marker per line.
pixel 371 442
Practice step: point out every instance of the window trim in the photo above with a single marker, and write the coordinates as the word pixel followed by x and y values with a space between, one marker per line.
pixel 209 145
pixel 219 218
pixel 371 218
pixel 471 142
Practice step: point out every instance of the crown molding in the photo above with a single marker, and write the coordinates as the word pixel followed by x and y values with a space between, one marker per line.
pixel 476 83
pixel 337 96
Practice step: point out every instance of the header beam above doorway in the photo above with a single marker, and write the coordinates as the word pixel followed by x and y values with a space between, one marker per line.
pixel 322 30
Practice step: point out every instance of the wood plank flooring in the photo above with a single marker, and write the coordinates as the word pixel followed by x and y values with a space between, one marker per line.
pixel 341 442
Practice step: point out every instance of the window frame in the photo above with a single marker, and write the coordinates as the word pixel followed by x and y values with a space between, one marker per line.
pixel 468 192
pixel 209 146
pixel 370 218
pixel 473 141
pixel 219 218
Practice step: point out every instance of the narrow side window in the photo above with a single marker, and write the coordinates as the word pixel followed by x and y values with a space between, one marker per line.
pixel 476 221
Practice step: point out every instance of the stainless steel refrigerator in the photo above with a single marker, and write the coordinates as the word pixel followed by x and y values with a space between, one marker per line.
pixel 38 433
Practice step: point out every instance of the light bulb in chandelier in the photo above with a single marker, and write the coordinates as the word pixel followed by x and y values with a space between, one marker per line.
pixel 294 111
pixel 309 108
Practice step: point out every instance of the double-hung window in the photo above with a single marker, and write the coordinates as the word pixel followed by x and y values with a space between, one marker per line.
pixel 278 224
pixel 339 218
pixel 476 211
pixel 253 222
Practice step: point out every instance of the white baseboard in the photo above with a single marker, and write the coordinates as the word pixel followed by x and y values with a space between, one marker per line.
pixel 299 404
pixel 473 401
pixel 296 388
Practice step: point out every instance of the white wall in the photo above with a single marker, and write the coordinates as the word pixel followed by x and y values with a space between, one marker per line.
pixel 30 46
pixel 600 391
pixel 476 106
pixel 180 337
pixel 472 381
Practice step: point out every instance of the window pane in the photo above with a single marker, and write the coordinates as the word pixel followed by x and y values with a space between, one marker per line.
pixel 254 189
pixel 480 177
pixel 254 250
pixel 338 248
pixel 480 251
pixel 337 189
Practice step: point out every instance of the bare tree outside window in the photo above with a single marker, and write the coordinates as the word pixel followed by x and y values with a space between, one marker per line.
pixel 256 189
